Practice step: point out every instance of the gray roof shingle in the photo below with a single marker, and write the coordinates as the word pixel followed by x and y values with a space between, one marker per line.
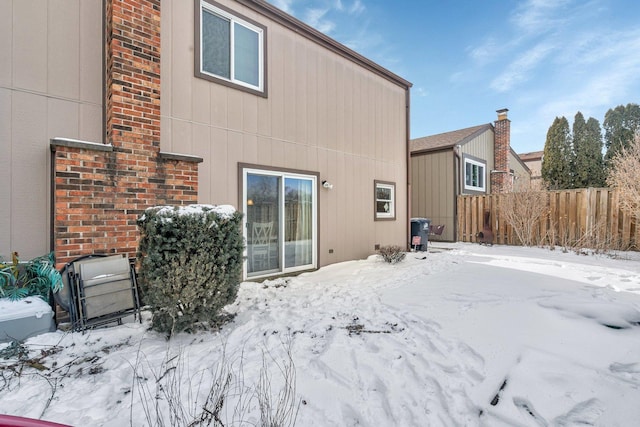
pixel 447 139
pixel 534 155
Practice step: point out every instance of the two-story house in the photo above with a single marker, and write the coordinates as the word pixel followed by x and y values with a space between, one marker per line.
pixel 475 160
pixel 111 106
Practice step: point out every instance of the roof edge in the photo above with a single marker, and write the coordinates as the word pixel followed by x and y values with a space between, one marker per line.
pixel 432 150
pixel 311 33
pixel 533 154
pixel 478 132
pixel 517 157
pixel 481 129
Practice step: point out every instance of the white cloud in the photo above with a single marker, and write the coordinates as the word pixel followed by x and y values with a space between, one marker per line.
pixel 518 71
pixel 419 92
pixel 531 20
pixel 485 52
pixel 536 16
pixel 284 5
pixel 603 77
pixel 354 9
pixel 324 16
pixel 357 8
pixel 605 47
pixel 337 19
pixel 608 71
pixel 316 18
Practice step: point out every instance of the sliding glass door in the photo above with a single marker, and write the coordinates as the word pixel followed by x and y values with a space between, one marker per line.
pixel 262 216
pixel 280 221
pixel 298 231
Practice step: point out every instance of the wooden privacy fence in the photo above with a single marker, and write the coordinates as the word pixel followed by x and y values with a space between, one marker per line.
pixel 589 218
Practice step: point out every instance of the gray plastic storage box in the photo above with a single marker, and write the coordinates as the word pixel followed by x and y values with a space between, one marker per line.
pixel 24 319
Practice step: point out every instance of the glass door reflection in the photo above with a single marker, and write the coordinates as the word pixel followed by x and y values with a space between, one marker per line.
pixel 298 220
pixel 263 223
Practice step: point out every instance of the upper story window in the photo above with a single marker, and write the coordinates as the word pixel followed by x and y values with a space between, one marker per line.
pixel 474 175
pixel 385 200
pixel 231 48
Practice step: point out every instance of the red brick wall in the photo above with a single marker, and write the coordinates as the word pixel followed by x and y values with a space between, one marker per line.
pixel 101 190
pixel 500 177
pixel 98 200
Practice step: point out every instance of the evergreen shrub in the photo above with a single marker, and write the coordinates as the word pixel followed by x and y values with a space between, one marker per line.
pixel 190 261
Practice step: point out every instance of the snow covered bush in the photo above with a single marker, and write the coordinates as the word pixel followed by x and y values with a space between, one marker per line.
pixel 190 261
pixel 392 253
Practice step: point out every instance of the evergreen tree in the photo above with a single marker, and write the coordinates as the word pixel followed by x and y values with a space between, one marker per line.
pixel 579 132
pixel 556 164
pixel 620 126
pixel 588 165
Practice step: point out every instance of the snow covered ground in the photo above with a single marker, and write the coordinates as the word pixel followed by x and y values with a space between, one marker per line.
pixel 464 335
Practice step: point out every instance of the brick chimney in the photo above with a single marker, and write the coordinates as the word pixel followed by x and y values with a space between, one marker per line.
pixel 100 189
pixel 500 176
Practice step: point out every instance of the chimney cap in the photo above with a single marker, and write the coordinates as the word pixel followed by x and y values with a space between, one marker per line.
pixel 502 113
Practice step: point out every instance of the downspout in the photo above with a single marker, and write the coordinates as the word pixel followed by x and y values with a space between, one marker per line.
pixel 457 185
pixel 104 72
pixel 408 160
pixel 52 201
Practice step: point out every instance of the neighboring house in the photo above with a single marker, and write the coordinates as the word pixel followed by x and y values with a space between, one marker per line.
pixel 475 160
pixel 533 161
pixel 225 102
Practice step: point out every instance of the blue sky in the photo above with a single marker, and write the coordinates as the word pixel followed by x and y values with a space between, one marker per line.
pixel 466 59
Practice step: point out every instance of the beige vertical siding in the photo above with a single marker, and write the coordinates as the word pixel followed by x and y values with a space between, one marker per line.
pixel 535 166
pixel 323 113
pixel 481 147
pixel 50 86
pixel 433 190
pixel 522 177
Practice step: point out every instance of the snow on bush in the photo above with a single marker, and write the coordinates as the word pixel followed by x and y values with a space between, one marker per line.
pixel 190 264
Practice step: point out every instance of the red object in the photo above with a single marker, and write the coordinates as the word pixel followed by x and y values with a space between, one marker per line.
pixel 12 421
pixel 416 240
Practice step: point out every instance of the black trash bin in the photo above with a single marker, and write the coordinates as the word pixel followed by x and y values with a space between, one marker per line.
pixel 420 233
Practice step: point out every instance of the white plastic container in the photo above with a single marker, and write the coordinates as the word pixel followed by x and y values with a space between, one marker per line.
pixel 24 318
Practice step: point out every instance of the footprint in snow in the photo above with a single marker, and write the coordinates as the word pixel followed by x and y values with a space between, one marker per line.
pixel 584 413
pixel 628 371
pixel 526 407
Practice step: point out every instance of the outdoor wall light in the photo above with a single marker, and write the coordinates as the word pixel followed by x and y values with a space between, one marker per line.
pixel 327 185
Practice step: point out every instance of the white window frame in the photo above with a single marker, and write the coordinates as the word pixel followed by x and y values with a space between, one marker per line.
pixel 480 165
pixel 391 214
pixel 233 19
